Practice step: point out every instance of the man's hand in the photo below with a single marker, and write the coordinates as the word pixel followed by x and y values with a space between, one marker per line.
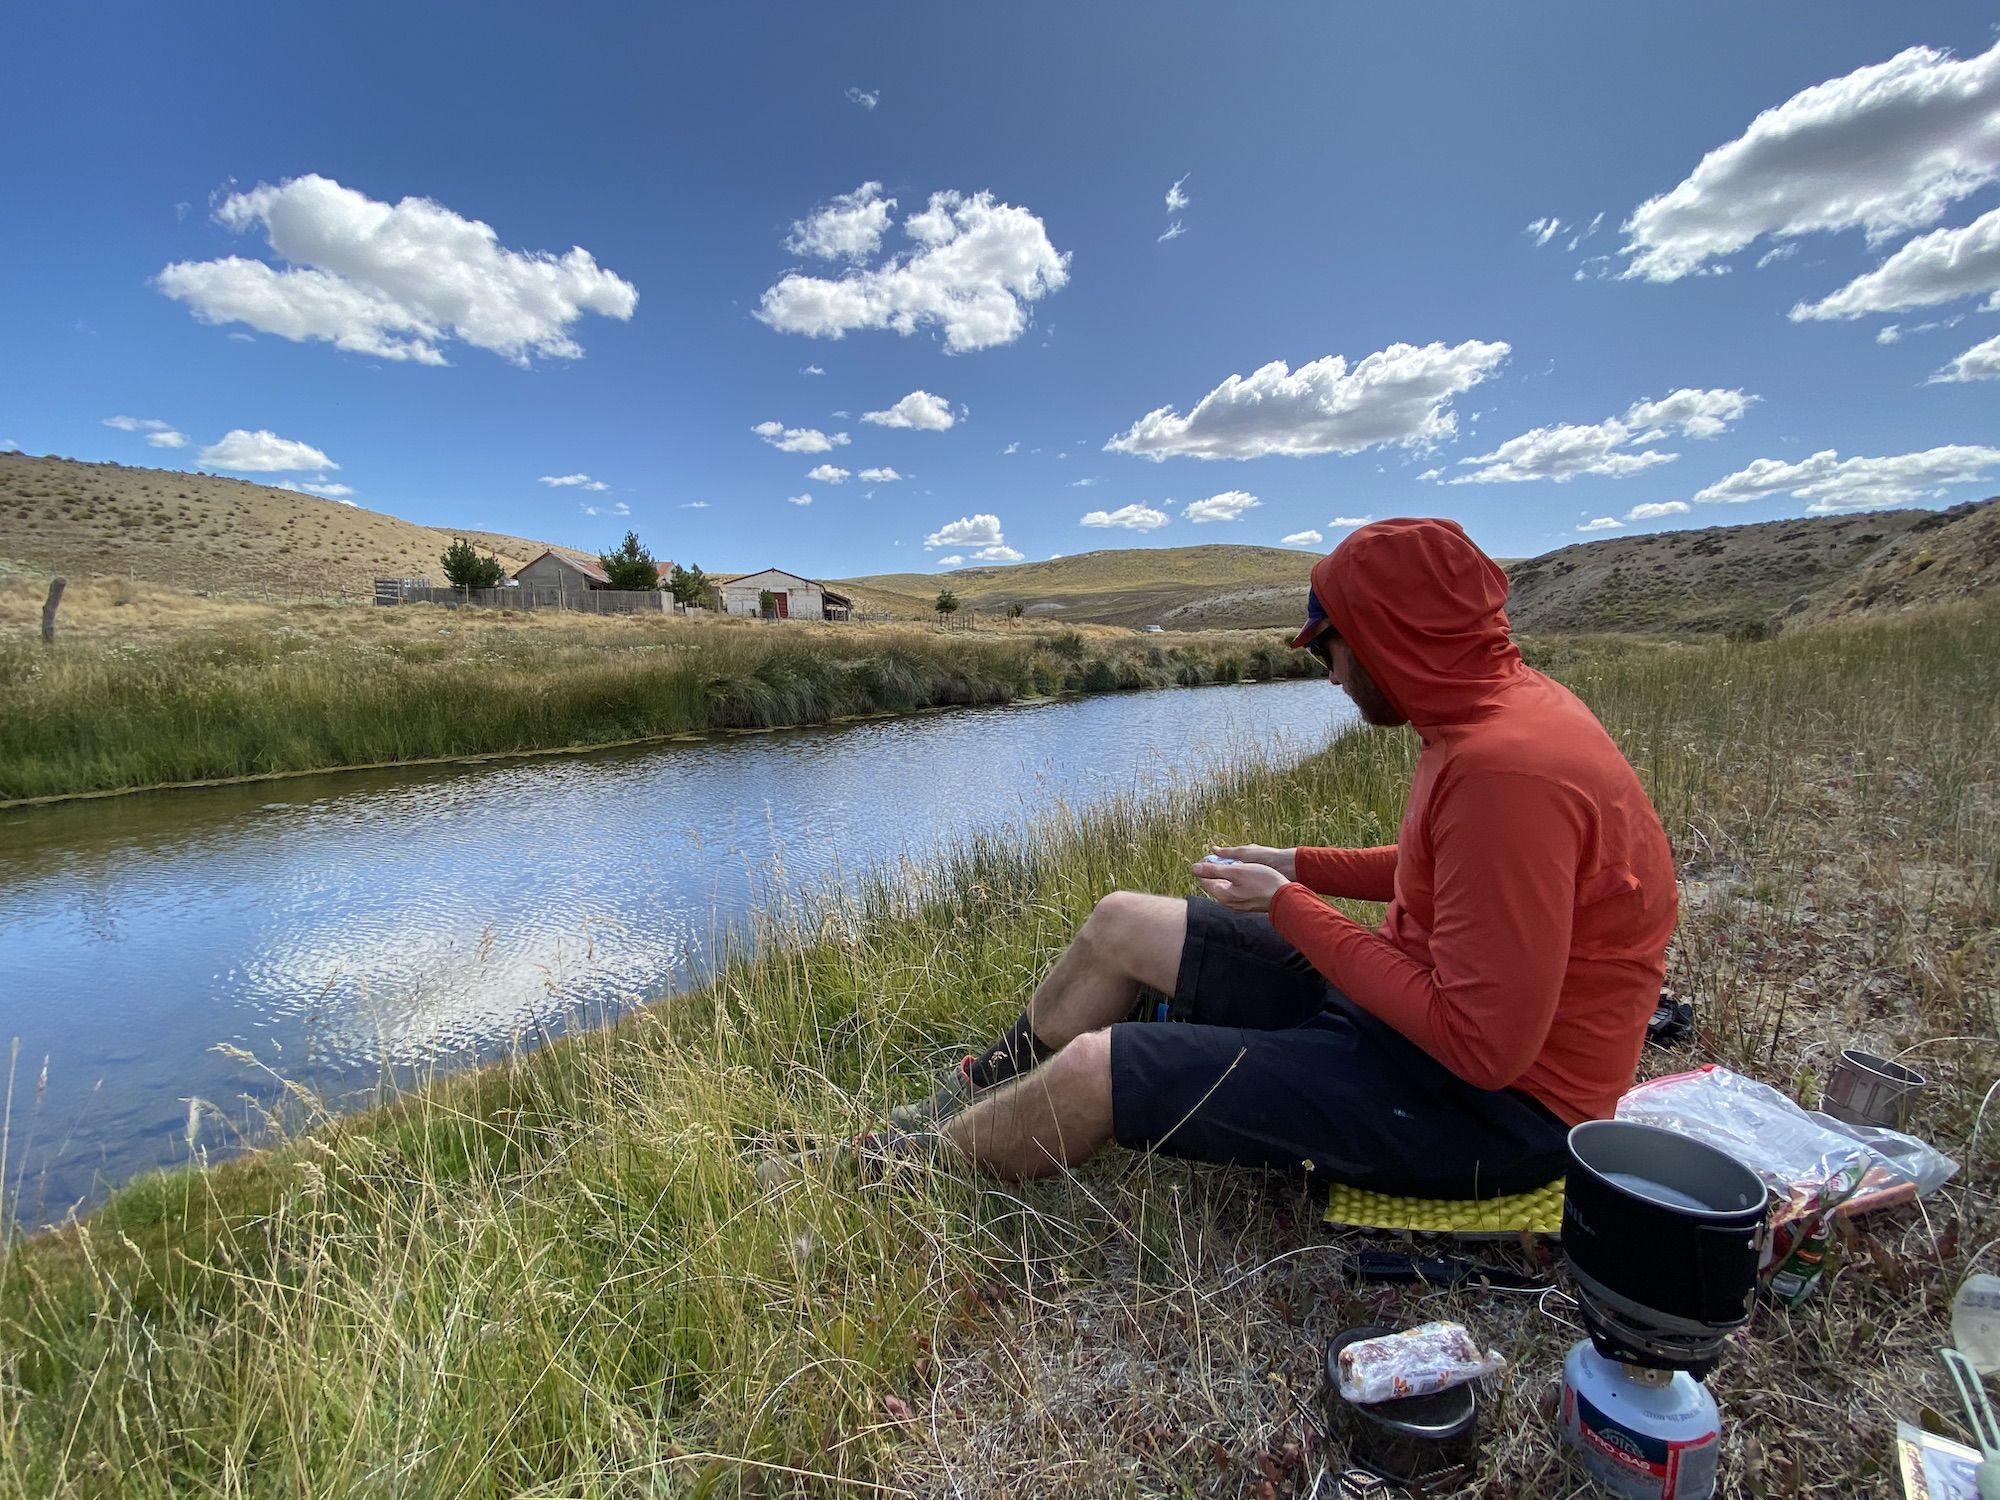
pixel 1240 887
pixel 1284 861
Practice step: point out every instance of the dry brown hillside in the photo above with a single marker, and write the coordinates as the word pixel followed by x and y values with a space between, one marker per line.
pixel 1943 555
pixel 1721 578
pixel 202 532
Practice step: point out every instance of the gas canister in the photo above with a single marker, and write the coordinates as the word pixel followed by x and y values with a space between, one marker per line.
pixel 1642 1434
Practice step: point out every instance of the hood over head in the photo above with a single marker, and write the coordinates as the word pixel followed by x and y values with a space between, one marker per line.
pixel 1425 611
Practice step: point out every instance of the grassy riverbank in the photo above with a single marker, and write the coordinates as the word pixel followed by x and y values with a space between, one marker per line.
pixel 554 1278
pixel 166 688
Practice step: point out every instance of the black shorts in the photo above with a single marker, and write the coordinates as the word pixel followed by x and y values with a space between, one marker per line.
pixel 1277 1068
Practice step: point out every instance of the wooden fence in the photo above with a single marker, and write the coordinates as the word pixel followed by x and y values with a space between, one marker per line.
pixel 531 596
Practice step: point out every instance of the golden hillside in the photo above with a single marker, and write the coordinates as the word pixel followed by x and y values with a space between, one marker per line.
pixel 197 531
pixel 1182 588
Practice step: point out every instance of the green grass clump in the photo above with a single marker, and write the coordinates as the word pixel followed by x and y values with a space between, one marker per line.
pixel 555 1277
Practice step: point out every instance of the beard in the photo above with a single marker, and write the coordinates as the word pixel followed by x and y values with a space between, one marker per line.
pixel 1375 707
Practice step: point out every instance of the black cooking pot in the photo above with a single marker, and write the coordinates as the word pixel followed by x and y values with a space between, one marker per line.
pixel 1662 1228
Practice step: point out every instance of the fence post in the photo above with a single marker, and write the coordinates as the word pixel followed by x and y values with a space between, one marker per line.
pixel 49 610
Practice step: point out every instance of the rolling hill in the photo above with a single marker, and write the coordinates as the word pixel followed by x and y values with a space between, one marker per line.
pixel 1753 577
pixel 1182 588
pixel 227 535
pixel 198 531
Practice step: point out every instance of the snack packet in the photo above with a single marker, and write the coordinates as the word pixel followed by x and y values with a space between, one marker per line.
pixel 1416 1362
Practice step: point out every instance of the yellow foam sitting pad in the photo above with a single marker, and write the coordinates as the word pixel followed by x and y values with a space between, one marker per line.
pixel 1538 1211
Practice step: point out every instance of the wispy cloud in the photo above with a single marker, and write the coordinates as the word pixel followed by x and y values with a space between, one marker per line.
pixel 866 98
pixel 573 482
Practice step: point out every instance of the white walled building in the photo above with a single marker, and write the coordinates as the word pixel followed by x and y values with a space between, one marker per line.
pixel 795 598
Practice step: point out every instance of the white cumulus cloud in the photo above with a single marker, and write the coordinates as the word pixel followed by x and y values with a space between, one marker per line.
pixel 397 281
pixel 805 499
pixel 1401 394
pixel 950 562
pixel 1980 362
pixel 883 475
pixel 799 439
pixel 975 267
pixel 1603 523
pixel 262 452
pixel 1227 506
pixel 1833 483
pixel 331 491
pixel 167 439
pixel 997 555
pixel 849 227
pixel 1656 510
pixel 1608 448
pixel 982 530
pixel 866 98
pixel 1127 517
pixel 920 410
pixel 1941 266
pixel 1302 539
pixel 1351 520
pixel 1886 148
pixel 573 482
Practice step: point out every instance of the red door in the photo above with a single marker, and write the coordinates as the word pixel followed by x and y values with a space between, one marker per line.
pixel 784 606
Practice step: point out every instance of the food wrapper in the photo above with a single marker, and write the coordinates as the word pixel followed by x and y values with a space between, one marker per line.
pixel 1812 1163
pixel 1416 1362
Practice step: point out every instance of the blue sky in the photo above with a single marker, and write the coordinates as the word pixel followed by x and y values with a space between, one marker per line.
pixel 256 231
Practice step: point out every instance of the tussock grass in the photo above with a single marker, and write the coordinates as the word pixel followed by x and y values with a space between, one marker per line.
pixel 162 688
pixel 554 1277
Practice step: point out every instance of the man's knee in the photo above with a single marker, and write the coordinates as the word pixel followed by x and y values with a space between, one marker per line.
pixel 1124 920
pixel 1082 1070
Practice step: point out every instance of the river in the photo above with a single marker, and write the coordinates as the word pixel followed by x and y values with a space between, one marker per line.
pixel 373 927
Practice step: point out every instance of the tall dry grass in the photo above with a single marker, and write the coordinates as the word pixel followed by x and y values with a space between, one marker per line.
pixel 555 1277
pixel 163 688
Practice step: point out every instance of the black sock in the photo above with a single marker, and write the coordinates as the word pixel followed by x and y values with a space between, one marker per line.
pixel 1017 1050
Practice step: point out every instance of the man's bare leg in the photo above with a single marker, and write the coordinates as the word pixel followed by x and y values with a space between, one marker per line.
pixel 1045 1121
pixel 1129 939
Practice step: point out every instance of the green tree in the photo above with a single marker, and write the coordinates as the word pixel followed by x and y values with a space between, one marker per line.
pixel 767 604
pixel 1016 610
pixel 464 568
pixel 946 606
pixel 691 586
pixel 631 566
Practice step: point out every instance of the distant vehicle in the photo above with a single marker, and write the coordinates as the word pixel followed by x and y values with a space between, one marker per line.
pixel 1151 629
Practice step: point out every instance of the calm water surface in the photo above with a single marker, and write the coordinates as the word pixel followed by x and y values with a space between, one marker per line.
pixel 388 924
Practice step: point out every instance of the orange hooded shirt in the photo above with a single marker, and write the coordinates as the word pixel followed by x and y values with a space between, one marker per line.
pixel 1531 888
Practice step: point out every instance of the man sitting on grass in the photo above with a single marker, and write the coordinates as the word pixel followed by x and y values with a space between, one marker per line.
pixel 1444 1053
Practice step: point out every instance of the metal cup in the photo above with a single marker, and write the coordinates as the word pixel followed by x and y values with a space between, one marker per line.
pixel 1864 1089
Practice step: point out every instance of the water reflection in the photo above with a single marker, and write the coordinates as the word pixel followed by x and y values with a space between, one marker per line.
pixel 402 921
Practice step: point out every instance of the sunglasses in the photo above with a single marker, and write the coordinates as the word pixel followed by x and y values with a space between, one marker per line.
pixel 1320 648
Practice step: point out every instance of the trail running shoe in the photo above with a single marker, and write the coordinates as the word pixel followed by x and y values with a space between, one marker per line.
pixel 954 1093
pixel 873 1157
